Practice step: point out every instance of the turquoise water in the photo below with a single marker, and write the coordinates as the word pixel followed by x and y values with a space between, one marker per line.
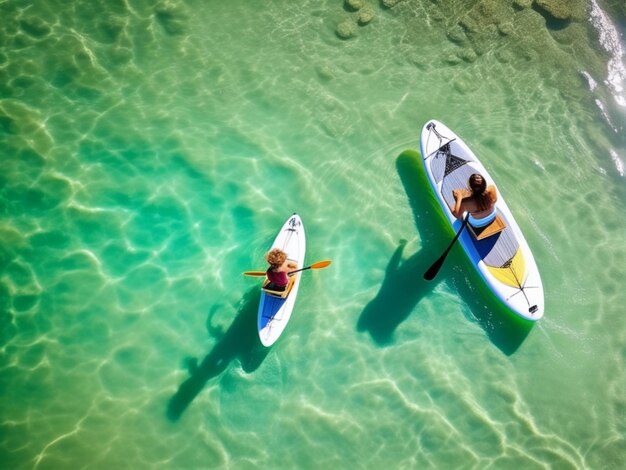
pixel 151 150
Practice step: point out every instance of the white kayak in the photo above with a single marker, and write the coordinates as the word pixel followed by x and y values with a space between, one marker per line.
pixel 503 259
pixel 275 312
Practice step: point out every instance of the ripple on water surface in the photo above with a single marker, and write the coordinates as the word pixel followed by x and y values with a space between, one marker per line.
pixel 146 163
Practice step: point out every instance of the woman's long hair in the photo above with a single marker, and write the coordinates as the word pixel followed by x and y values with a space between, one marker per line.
pixel 480 196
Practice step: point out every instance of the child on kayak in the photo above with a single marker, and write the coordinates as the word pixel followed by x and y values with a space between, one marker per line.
pixel 279 268
pixel 479 200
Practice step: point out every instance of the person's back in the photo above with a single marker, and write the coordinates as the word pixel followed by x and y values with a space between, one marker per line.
pixel 279 268
pixel 277 278
pixel 479 200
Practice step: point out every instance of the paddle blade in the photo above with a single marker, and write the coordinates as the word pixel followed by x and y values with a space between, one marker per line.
pixel 434 269
pixel 254 273
pixel 320 264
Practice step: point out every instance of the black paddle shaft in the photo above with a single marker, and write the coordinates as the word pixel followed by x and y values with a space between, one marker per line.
pixel 430 274
pixel 298 270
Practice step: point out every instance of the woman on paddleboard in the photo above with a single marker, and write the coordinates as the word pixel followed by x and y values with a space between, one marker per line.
pixel 479 200
pixel 279 268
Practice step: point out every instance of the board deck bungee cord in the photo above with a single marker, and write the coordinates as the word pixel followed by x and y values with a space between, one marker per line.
pixel 501 255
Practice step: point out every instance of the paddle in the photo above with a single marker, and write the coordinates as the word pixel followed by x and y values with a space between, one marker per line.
pixel 318 265
pixel 434 269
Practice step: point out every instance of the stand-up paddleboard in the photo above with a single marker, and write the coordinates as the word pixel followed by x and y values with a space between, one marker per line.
pixel 503 259
pixel 274 311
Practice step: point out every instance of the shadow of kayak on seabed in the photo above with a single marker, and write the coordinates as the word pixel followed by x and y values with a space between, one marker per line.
pixel 240 341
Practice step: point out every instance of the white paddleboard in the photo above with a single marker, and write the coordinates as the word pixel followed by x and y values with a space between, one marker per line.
pixel 504 260
pixel 275 312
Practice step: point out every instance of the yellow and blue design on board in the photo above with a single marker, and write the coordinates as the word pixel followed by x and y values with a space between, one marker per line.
pixel 513 272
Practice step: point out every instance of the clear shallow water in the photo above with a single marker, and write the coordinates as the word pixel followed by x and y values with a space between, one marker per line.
pixel 150 152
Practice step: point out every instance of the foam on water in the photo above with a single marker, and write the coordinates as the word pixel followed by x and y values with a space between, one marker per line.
pixel 613 42
pixel 150 152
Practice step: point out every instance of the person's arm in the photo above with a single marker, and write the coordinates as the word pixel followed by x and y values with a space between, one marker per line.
pixel 493 193
pixel 290 266
pixel 458 195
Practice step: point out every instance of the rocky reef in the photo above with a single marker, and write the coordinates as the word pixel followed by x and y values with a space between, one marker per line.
pixel 345 29
pixel 511 31
pixel 558 9
pixel 361 13
pixel 551 29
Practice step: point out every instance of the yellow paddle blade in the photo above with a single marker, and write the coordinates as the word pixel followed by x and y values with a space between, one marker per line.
pixel 320 264
pixel 254 273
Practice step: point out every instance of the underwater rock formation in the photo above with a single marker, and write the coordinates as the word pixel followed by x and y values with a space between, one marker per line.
pixel 558 9
pixel 354 5
pixel 365 16
pixel 502 29
pixel 521 4
pixel 345 29
pixel 457 34
pixel 390 3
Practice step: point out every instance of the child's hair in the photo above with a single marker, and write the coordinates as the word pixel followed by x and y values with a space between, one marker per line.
pixel 276 257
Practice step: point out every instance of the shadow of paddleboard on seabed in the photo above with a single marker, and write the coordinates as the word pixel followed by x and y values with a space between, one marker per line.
pixel 404 285
pixel 402 289
pixel 240 341
pixel 505 329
